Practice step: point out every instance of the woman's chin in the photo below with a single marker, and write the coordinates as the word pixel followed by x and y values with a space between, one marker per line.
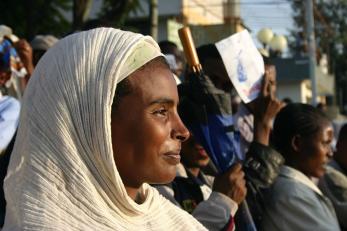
pixel 167 177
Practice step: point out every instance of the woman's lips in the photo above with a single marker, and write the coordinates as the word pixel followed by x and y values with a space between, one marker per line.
pixel 172 158
pixel 202 152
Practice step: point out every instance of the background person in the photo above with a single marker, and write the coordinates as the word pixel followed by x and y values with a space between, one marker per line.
pixel 303 135
pixel 40 44
pixel 205 103
pixel 334 182
pixel 212 201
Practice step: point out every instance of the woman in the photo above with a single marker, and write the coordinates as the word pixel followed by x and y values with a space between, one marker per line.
pixel 303 135
pixel 98 123
pixel 334 181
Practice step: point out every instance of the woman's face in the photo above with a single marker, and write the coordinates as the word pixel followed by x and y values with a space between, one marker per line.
pixel 315 152
pixel 193 154
pixel 146 130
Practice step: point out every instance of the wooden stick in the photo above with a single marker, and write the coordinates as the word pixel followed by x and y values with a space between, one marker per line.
pixel 189 49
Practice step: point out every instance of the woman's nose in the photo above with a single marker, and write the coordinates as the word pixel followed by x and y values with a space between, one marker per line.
pixel 180 131
pixel 330 151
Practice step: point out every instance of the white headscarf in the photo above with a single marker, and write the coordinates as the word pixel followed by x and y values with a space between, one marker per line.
pixel 62 174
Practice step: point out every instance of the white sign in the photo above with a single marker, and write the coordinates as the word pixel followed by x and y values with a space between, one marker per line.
pixel 244 64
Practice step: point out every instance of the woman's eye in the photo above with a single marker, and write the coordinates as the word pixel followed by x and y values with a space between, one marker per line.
pixel 161 112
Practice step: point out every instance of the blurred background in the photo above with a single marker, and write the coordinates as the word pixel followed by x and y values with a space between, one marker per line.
pixel 304 38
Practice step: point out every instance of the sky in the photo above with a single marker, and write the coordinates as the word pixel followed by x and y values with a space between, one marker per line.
pixel 273 14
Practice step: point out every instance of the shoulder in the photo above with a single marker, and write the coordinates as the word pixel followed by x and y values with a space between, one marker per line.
pixel 285 187
pixel 289 203
pixel 335 182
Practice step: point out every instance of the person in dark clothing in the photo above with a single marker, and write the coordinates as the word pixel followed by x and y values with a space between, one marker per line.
pixel 303 135
pixel 205 107
pixel 212 201
pixel 170 48
pixel 334 182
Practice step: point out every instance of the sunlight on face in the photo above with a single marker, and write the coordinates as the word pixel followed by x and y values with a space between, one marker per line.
pixel 146 130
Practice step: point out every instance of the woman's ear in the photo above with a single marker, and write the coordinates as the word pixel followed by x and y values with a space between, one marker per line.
pixel 296 143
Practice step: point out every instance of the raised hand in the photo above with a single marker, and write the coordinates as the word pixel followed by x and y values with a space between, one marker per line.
pixel 232 183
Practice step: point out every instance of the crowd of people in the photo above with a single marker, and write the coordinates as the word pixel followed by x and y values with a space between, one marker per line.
pixel 107 129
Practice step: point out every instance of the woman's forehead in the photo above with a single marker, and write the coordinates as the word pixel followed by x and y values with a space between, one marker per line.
pixel 154 83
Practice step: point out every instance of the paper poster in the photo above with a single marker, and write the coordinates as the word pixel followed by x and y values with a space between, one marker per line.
pixel 244 64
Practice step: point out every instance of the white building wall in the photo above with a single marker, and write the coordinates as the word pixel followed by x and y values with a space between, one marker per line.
pixel 291 90
pixel 203 12
pixel 165 8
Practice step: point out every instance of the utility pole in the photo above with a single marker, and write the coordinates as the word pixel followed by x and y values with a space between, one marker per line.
pixel 311 48
pixel 153 15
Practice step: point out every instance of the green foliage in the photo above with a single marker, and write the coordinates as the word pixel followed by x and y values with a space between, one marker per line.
pixel 330 25
pixel 30 17
pixel 331 36
pixel 115 12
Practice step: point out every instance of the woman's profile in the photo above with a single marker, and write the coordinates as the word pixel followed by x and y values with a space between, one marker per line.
pixel 303 135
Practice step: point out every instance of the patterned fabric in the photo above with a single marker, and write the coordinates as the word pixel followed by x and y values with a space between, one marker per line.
pixel 9 59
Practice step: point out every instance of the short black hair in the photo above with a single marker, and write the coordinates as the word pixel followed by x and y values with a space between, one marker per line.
pixel 296 119
pixel 287 100
pixel 208 51
pixel 167 47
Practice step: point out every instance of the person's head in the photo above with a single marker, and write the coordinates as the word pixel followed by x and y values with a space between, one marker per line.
pixel 146 130
pixel 287 100
pixel 303 135
pixel 341 147
pixel 213 66
pixel 170 49
pixel 193 154
pixel 322 106
pixel 40 44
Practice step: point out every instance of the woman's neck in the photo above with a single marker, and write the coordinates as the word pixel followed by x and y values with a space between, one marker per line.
pixel 133 193
pixel 298 166
pixel 292 163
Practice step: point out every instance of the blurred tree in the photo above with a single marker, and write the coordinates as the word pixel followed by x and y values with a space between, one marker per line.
pixel 115 12
pixel 81 9
pixel 153 17
pixel 30 17
pixel 331 37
